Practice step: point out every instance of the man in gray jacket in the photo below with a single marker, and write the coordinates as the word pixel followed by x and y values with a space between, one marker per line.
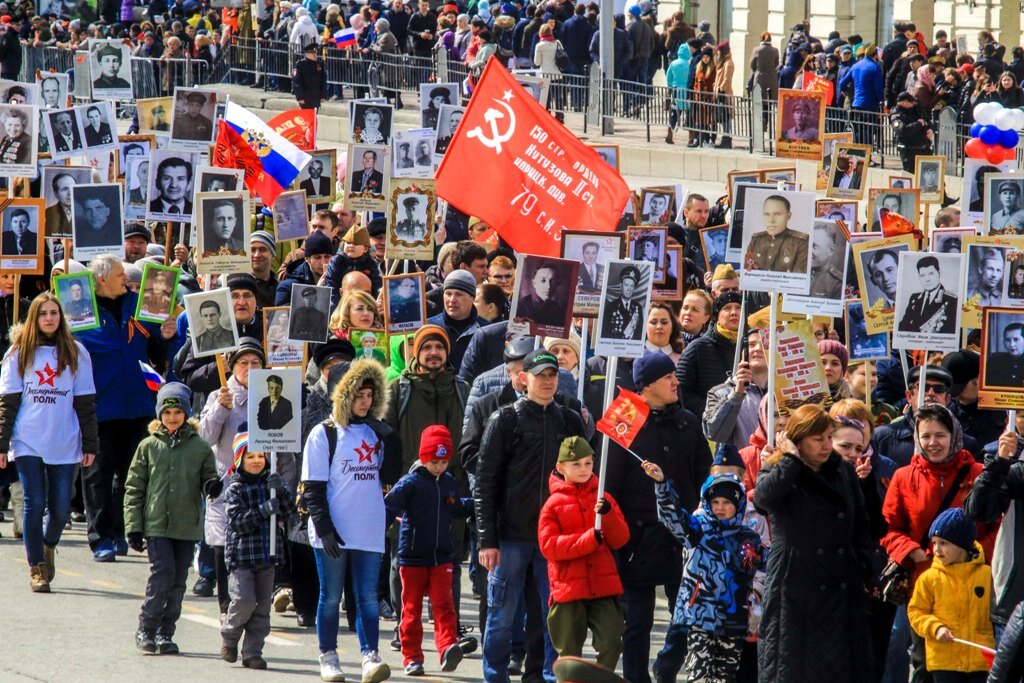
pixel 730 415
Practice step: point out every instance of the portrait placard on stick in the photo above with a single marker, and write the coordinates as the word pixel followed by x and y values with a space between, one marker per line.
pixel 411 208
pixel 77 294
pixel 877 263
pixel 592 250
pixel 801 118
pixel 211 322
pixel 223 231
pixel 799 377
pixel 1001 375
pixel 158 290
pixel 776 248
pixel 23 243
pixel 273 410
pixel 985 277
pixel 543 296
pixel 928 302
pixel 405 303
pixel 281 351
pixel 829 242
pixel 861 345
pixel 625 297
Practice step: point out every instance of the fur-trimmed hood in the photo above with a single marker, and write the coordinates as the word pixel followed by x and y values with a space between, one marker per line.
pixel 345 393
pixel 155 425
pixel 505 22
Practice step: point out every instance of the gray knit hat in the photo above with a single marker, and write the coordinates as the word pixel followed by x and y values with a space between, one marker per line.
pixel 264 237
pixel 462 280
pixel 174 395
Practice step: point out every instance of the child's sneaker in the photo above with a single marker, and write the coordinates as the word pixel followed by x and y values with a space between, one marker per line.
pixel 374 670
pixel 254 662
pixel 451 658
pixel 165 645
pixel 144 641
pixel 415 669
pixel 330 667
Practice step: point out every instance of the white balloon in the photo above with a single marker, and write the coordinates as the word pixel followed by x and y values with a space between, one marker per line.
pixel 1005 119
pixel 984 114
pixel 1018 119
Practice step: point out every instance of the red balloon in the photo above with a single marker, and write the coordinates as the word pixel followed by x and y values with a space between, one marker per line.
pixel 976 149
pixel 1010 153
pixel 995 154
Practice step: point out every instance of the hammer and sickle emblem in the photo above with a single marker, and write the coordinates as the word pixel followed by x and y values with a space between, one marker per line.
pixel 492 117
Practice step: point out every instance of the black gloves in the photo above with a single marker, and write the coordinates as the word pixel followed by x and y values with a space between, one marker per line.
pixel 213 488
pixel 332 544
pixel 606 507
pixel 135 542
pixel 274 481
pixel 599 536
pixel 269 507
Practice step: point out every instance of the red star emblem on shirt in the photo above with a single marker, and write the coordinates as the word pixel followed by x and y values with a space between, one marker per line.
pixel 365 452
pixel 46 375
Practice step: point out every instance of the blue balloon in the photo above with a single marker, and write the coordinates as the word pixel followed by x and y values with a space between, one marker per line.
pixel 976 130
pixel 989 135
pixel 1009 138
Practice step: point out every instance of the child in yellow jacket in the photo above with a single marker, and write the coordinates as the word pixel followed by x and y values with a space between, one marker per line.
pixel 951 600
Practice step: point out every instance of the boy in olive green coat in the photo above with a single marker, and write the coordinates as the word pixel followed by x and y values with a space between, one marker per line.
pixel 163 511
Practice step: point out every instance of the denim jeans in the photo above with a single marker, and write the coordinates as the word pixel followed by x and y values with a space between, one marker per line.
pixel 46 487
pixel 365 567
pixel 504 596
pixel 169 560
pixel 897 667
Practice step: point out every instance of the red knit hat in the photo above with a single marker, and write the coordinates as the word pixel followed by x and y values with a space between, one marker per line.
pixel 435 444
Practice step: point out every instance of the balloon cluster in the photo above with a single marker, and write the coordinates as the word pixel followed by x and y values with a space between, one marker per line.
pixel 994 134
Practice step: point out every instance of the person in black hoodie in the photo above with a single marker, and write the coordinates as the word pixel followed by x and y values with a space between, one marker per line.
pixel 913 130
pixel 317 251
pixel 707 361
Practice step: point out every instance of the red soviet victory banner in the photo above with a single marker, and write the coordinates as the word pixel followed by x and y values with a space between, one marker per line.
pixel 512 164
pixel 297 126
pixel 624 418
pixel 814 83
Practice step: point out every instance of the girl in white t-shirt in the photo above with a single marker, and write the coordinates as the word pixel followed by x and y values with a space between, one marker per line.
pixel 343 492
pixel 47 424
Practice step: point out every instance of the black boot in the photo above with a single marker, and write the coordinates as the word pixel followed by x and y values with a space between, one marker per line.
pixel 166 646
pixel 144 640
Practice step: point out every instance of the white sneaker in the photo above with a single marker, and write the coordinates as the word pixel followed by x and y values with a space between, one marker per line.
pixel 374 670
pixel 330 667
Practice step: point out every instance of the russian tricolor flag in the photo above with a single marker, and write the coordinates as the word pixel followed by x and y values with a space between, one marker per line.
pixel 152 377
pixel 270 162
pixel 346 37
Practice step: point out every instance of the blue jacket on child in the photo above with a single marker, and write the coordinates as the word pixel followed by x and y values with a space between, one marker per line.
pixel 427 505
pixel 724 556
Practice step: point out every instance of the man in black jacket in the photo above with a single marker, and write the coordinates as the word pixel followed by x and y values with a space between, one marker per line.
pixel 913 130
pixel 672 438
pixel 309 81
pixel 707 361
pixel 517 453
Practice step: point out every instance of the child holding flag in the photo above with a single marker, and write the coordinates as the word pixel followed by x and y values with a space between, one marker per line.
pixel 163 511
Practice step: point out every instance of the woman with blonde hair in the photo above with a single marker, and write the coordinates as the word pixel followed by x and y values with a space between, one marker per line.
pixel 48 438
pixel 356 310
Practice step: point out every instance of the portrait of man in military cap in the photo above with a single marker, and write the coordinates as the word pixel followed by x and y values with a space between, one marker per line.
pixel 622 318
pixel 1005 204
pixel 828 256
pixel 111 70
pixel 310 308
pixel 413 226
pixel 154 114
pixel 193 115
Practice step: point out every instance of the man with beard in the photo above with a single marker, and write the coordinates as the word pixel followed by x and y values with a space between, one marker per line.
pixel 173 179
pixel 109 59
pixel 97 132
pixel 192 125
pixel 222 228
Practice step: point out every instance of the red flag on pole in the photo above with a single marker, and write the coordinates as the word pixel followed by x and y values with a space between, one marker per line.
pixel 297 126
pixel 624 418
pixel 512 164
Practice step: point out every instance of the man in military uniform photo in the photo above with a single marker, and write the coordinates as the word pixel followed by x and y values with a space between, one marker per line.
pixel 159 122
pixel 777 248
pixel 1006 368
pixel 1009 216
pixel 192 125
pixel 624 317
pixel 410 228
pixel 97 131
pixel 985 280
pixel 826 276
pixel 308 322
pixel 221 228
pixel 77 307
pixel 934 309
pixel 109 58
pixel 214 336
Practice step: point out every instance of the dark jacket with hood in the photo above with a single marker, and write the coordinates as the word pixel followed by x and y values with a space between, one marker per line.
pixel 297 272
pixel 705 363
pixel 342 265
pixel 428 506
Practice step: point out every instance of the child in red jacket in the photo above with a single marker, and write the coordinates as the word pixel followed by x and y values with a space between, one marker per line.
pixel 585 585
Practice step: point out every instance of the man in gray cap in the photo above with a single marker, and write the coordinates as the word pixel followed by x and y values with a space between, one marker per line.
pixel 192 125
pixel 108 56
pixel 623 317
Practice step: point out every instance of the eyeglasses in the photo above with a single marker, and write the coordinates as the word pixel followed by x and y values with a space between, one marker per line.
pixel 502 277
pixel 934 388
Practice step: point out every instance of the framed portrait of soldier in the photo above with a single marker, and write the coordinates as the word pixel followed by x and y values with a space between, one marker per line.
pixel 593 251
pixel 317 179
pixel 647 243
pixel 949 240
pixel 171 183
pixel 99 126
pixel 714 241
pixel 433 96
pixel 155 114
pixel 211 322
pixel 800 124
pixel 734 253
pixel 545 289
pixel 111 68
pixel 136 183
pixel 132 146
pixel 671 288
pixel 1001 371
pixel 192 117
pixel 1004 203
pixel 986 273
pixel 77 294
pixel 366 183
pixel 877 263
pixel 281 351
pixel 930 178
pixel 222 226
pixel 55 185
pixel 405 303
pixel 900 182
pixel 657 207
pixel 776 243
pixel 370 345
pixel 829 142
pixel 974 190
pixel 848 171
pixel 608 153
pixel 928 301
pixel 22 238
pixel 413 154
pixel 291 219
pixel 97 222
pixel 861 345
pixel 829 243
pixel 411 207
pixel 53 89
pixel 887 201
pixel 157 293
pixel 447 123
pixel 19 152
pixel 371 123
pixel 625 298
pixel 274 410
pixel 833 210
pixel 311 309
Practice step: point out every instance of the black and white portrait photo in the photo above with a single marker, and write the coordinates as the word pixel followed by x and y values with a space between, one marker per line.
pixel 99 126
pixel 55 185
pixel 193 115
pixel 433 96
pixel 648 244
pixel 777 227
pixel 280 350
pixel 899 182
pixel 448 122
pixel 291 222
pixel 110 64
pixel 63 133
pixel 930 178
pixel 53 89
pixel 216 179
pixel 371 123
pixel 927 301
pixel 77 294
pixel 311 306
pixel 317 178
pixel 625 297
pixel 404 303
pixel 1002 355
pixel 21 246
pixel 985 279
pixel 171 175
pixel 828 276
pixel 543 295
pixel 950 240
pixel 861 345
pixel 131 147
pixel 412 204
pixel 367 177
pixel 273 409
pixel 593 251
pixel 1004 203
pixel 412 219
pixel 18 132
pixel 671 287
pixel 211 322
pixel 974 189
pixel 739 214
pixel 96 220
pixel 714 241
pixel 656 207
pixel 413 154
pixel 136 182
pixel 1015 281
pixel 903 202
pixel 15 92
pixel 222 226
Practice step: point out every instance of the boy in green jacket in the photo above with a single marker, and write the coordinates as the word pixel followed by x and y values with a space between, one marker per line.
pixel 163 504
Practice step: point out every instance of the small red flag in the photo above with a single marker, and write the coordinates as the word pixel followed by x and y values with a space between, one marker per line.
pixel 624 418
pixel 815 83
pixel 894 225
pixel 297 126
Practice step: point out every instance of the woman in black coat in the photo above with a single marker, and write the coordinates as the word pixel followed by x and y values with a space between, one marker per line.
pixel 814 625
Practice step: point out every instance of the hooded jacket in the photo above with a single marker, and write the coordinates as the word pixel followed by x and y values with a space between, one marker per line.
pixel 341 265
pixel 704 363
pixel 678 75
pixel 579 566
pixel 428 505
pixel 163 493
pixel 724 555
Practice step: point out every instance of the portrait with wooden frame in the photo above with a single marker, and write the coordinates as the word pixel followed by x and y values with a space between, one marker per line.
pixel 838 210
pixel 648 243
pixel 829 142
pixel 844 181
pixel 932 190
pixel 24 241
pixel 146 141
pixel 405 302
pixel 328 159
pixel 794 140
pixel 608 153
pixel 909 205
pixel 412 204
pixel 778 174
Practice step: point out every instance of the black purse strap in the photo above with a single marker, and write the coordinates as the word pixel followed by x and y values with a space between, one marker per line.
pixel 947 499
